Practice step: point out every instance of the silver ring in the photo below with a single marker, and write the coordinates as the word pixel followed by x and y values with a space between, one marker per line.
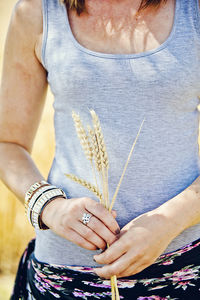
pixel 86 218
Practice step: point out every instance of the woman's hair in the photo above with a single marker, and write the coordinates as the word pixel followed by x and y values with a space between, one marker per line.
pixel 79 5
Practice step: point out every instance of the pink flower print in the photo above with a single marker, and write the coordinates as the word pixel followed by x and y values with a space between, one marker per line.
pixel 37 277
pixel 54 276
pixel 123 283
pixel 158 287
pixel 88 294
pixel 66 278
pixel 40 274
pixel 183 275
pixel 167 262
pixel 56 286
pixel 184 284
pixel 39 287
pixel 54 294
pixel 45 285
pixel 48 281
pixel 152 298
pixel 29 264
pixel 78 293
pixel 102 285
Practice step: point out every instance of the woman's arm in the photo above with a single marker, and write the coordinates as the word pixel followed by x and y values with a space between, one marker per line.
pixel 147 236
pixel 22 97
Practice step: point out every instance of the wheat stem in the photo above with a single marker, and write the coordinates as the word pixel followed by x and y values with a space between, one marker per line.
pixel 94 174
pixel 112 288
pixel 122 176
pixel 116 287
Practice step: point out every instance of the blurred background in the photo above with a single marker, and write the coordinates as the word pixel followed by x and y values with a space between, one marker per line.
pixel 15 231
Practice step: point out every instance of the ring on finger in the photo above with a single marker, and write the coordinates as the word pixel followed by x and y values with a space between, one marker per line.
pixel 86 218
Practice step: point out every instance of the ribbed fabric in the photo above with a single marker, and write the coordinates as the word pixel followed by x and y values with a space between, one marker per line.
pixel 161 85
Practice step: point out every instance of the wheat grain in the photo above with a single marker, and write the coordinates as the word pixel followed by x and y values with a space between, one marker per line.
pixel 95 149
pixel 103 155
pixel 86 184
pixel 82 135
pixel 100 139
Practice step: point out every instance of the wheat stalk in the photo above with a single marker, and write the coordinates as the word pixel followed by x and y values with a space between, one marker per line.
pixel 125 167
pixel 95 150
pixel 86 184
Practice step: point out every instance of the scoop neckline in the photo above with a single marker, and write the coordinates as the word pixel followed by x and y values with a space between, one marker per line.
pixel 121 55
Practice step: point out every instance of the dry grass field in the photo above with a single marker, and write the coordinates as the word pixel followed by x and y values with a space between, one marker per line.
pixel 15 231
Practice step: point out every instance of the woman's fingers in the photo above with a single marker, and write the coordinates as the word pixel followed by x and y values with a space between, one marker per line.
pixel 66 215
pixel 102 231
pixel 115 251
pixel 87 233
pixel 103 215
pixel 115 268
pixel 77 239
pixel 119 267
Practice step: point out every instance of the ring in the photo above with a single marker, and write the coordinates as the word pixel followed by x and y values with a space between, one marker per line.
pixel 86 218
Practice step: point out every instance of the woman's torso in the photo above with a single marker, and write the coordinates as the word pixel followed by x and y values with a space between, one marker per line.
pixel 124 85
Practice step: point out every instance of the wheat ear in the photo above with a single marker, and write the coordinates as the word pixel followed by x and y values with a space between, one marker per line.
pixel 103 155
pixel 82 135
pixel 128 159
pixel 84 141
pixel 86 184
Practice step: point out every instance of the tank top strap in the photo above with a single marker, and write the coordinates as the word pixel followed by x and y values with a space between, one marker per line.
pixel 54 27
pixel 189 17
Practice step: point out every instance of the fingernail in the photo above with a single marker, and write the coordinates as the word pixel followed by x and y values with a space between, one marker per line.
pixel 117 231
pixel 94 259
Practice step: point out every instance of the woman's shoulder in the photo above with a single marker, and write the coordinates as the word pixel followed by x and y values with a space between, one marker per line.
pixel 27 22
pixel 28 14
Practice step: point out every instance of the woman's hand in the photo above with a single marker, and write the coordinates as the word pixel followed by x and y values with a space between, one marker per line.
pixel 140 243
pixel 64 217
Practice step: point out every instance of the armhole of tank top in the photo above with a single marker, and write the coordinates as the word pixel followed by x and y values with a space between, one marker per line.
pixel 45 32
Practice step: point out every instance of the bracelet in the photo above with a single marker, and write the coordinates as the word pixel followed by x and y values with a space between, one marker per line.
pixel 38 202
pixel 36 195
pixel 36 198
pixel 33 188
pixel 36 216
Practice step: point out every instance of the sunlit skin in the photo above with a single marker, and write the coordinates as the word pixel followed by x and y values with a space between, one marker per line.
pixel 108 28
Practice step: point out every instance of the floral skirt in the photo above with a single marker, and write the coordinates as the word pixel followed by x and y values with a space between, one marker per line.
pixel 174 276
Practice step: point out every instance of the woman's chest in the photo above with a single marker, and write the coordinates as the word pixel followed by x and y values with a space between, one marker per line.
pixel 121 32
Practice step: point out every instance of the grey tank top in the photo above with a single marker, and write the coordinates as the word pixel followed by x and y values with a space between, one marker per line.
pixel 161 85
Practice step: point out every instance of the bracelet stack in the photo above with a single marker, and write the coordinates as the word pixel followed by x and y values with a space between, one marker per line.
pixel 36 198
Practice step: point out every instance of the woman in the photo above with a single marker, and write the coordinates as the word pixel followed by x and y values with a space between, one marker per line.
pixel 126 60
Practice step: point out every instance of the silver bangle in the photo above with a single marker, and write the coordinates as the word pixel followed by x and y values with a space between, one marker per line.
pixel 34 198
pixel 42 201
